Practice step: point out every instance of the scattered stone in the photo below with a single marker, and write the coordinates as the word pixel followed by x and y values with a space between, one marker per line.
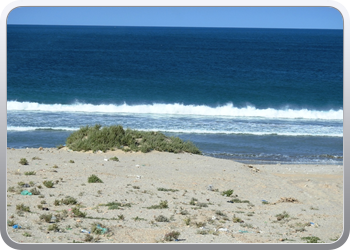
pixel 41 148
pixel 210 188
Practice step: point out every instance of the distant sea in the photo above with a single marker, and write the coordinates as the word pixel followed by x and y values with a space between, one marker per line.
pixel 252 95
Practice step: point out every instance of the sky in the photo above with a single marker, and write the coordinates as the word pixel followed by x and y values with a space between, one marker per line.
pixel 240 17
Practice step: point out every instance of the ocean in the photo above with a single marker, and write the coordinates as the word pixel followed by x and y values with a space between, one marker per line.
pixel 251 95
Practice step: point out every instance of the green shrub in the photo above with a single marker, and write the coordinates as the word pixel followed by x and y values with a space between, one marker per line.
pixel 162 205
pixel 11 223
pixel 94 179
pixel 114 159
pixel 30 173
pixel 46 217
pixel 161 218
pixel 48 184
pixel 23 161
pixel 193 201
pixel 53 227
pixel 69 201
pixel 98 228
pixel 23 208
pixel 236 220
pixel 173 235
pixel 167 190
pixel 311 239
pixel 78 213
pixel 282 216
pixel 71 161
pixel 107 138
pixel 227 193
pixel 34 191
pixel 236 200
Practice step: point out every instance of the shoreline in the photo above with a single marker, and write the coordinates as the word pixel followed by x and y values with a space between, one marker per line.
pixel 311 196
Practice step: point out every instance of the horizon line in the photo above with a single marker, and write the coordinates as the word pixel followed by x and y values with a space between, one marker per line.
pixel 160 26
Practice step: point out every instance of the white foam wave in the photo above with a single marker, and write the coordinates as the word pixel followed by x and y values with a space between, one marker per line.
pixel 188 131
pixel 179 109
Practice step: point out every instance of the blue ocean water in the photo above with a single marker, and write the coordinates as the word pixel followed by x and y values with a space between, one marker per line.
pixel 267 95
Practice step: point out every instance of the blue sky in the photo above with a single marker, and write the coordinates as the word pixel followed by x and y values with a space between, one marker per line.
pixel 247 17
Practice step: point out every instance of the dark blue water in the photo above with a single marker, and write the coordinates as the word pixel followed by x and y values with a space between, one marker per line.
pixel 247 94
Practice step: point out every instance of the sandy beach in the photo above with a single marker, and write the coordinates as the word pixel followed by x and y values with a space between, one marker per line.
pixel 144 197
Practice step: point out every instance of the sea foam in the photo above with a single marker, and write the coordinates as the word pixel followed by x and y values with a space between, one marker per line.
pixel 180 109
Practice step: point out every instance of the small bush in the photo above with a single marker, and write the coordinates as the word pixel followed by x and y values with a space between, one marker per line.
pixel 71 161
pixel 94 179
pixel 161 218
pixel 227 193
pixel 220 213
pixel 237 220
pixel 311 239
pixel 162 205
pixel 173 235
pixel 53 227
pixel 282 216
pixel 48 184
pixel 69 201
pixel 108 138
pixel 98 228
pixel 187 221
pixel 36 158
pixel 121 217
pixel 236 200
pixel 138 218
pixel 34 191
pixel 30 173
pixel 11 223
pixel 23 208
pixel 193 201
pixel 88 238
pixel 167 190
pixel 23 161
pixel 114 159
pixel 46 217
pixel 78 213
pixel 116 205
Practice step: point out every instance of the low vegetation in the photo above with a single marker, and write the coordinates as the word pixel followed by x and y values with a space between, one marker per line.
pixel 108 138
pixel 23 161
pixel 94 179
pixel 173 235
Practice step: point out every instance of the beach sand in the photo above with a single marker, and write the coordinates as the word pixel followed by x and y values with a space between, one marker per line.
pixel 309 196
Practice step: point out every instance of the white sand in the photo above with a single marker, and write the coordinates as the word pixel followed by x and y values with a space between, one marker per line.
pixel 136 178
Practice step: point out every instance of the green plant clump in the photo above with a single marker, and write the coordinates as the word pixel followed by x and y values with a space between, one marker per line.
pixel 311 239
pixel 162 205
pixel 23 161
pixel 173 235
pixel 48 184
pixel 94 179
pixel 114 159
pixel 227 193
pixel 108 138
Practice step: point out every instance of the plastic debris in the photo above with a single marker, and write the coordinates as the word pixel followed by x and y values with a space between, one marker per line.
pixel 313 224
pixel 223 229
pixel 16 226
pixel 243 231
pixel 84 231
pixel 26 192
pixel 105 159
pixel 104 230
